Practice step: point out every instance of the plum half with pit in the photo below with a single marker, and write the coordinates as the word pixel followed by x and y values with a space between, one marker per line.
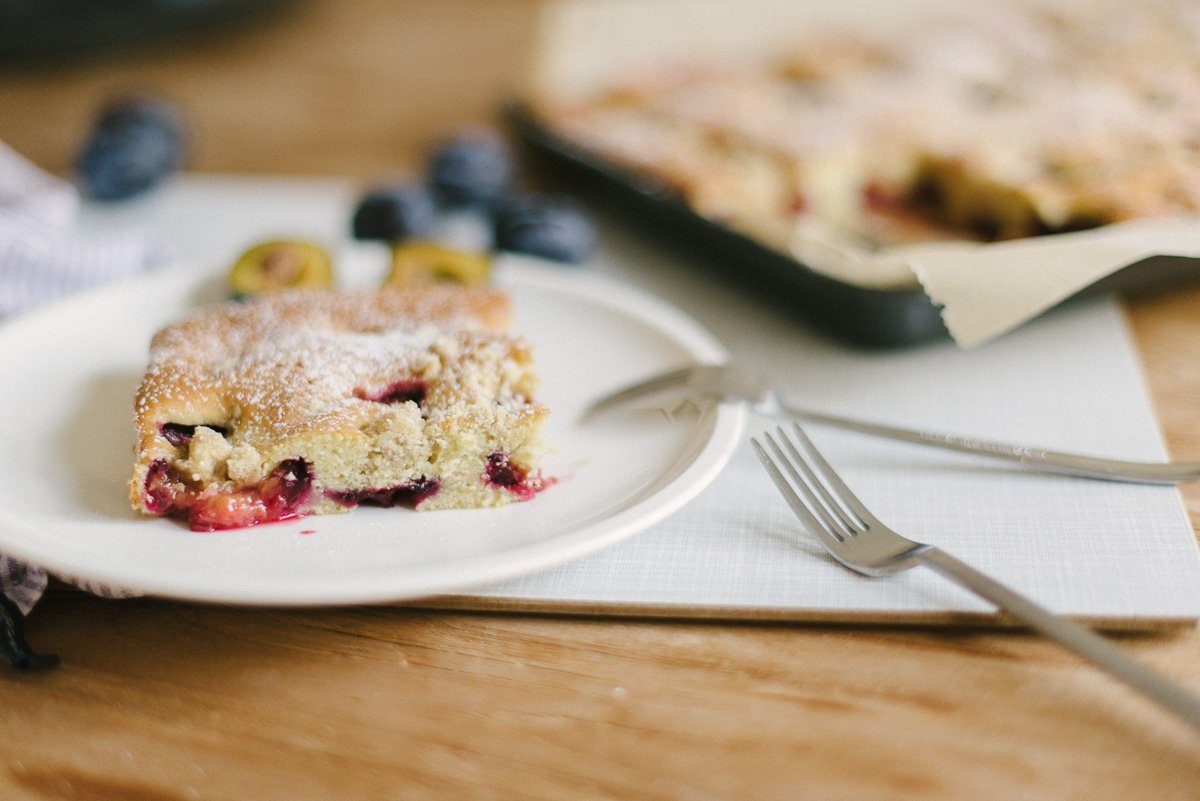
pixel 428 262
pixel 273 266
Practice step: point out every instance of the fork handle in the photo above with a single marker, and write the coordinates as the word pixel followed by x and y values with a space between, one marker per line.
pixel 1083 641
pixel 1072 463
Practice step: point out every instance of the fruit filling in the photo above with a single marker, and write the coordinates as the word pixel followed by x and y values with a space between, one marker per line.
pixel 283 494
pixel 498 471
pixel 179 434
pixel 409 389
pixel 409 494
pixel 881 199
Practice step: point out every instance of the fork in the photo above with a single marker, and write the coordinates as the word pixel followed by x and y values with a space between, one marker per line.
pixel 732 383
pixel 856 538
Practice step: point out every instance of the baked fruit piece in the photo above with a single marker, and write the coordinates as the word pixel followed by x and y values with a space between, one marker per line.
pixel 310 402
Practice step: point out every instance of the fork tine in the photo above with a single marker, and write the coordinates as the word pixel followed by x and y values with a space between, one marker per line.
pixel 642 388
pixel 804 481
pixel 851 524
pixel 831 477
pixel 827 537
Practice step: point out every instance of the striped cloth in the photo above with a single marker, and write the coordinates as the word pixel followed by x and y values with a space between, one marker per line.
pixel 43 257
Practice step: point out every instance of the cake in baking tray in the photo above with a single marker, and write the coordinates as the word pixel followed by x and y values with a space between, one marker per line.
pixel 1013 121
pixel 312 401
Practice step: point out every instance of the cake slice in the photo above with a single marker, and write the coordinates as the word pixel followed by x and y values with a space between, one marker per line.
pixel 310 402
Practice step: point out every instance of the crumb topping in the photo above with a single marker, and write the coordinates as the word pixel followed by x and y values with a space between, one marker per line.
pixel 284 360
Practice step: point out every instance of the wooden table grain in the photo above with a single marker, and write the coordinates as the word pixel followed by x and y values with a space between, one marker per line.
pixel 161 701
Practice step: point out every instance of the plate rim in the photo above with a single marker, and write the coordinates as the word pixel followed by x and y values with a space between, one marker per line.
pixel 728 423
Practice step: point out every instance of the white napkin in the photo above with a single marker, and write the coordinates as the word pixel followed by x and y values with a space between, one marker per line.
pixel 43 257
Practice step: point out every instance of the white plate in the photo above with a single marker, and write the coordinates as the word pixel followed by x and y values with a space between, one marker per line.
pixel 70 371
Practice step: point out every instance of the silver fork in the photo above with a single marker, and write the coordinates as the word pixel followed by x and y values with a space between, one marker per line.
pixel 855 537
pixel 733 383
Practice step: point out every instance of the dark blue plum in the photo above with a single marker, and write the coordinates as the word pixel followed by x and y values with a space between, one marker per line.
pixel 393 213
pixel 473 169
pixel 134 144
pixel 553 228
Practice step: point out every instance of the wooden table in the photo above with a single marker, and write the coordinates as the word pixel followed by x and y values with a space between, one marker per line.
pixel 162 701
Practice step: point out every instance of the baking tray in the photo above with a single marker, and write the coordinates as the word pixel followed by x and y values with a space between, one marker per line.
pixel 859 315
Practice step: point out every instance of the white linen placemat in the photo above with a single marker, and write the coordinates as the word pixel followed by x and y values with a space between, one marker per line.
pixel 1070 381
pixel 1121 553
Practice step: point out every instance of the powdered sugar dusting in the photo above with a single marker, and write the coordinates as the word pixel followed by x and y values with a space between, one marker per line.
pixel 302 353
